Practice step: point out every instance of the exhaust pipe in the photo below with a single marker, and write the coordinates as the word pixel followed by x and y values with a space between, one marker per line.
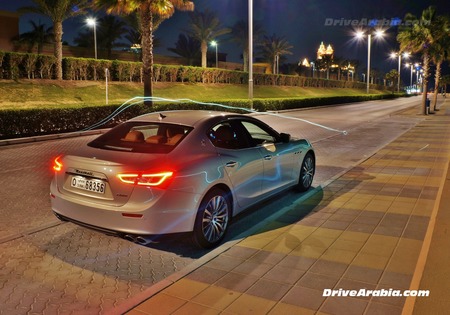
pixel 144 240
pixel 130 238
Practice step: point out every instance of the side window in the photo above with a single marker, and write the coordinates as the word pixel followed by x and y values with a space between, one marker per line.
pixel 258 134
pixel 224 136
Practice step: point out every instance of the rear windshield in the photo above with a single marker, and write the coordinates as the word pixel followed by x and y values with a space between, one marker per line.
pixel 142 137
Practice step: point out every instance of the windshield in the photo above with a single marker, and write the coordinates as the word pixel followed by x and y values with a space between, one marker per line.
pixel 142 137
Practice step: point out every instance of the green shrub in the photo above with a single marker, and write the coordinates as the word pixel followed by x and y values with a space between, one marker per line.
pixel 19 65
pixel 34 122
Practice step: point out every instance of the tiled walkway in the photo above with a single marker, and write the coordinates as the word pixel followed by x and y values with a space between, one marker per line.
pixel 364 230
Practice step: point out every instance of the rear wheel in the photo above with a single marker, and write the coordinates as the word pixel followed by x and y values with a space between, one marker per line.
pixel 307 171
pixel 212 219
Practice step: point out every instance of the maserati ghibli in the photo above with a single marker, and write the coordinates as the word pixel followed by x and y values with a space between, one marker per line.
pixel 178 171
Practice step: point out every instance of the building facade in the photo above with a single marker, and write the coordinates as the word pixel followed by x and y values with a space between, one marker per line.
pixel 9 29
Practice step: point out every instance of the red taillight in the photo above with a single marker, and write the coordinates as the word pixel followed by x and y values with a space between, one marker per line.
pixel 57 165
pixel 128 178
pixel 144 179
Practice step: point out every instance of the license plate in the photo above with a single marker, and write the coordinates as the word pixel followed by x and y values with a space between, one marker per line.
pixel 95 186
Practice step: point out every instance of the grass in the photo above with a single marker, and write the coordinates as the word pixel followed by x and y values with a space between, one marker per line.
pixel 49 93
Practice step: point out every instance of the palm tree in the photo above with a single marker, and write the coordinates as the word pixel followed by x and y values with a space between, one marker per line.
pixel 188 48
pixel 146 10
pixel 342 64
pixel 38 36
pixel 325 63
pixel 205 27
pixel 418 38
pixel 274 47
pixel 84 39
pixel 440 51
pixel 58 11
pixel 109 30
pixel 392 77
pixel 444 81
pixel 133 33
pixel 239 34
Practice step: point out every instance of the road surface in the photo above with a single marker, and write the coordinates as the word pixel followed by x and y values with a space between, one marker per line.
pixel 54 267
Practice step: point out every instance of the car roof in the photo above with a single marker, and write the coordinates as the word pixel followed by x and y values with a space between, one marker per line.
pixel 183 117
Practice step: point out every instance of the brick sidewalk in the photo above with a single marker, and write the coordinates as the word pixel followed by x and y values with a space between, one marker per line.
pixel 364 230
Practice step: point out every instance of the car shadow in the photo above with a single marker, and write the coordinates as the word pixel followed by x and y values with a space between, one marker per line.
pixel 295 208
pixel 242 224
pixel 303 203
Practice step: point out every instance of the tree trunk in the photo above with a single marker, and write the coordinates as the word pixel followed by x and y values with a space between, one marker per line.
pixel 58 49
pixel 147 53
pixel 436 83
pixel 204 50
pixel 425 82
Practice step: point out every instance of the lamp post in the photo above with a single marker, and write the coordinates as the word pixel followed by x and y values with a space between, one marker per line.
pixel 106 84
pixel 214 43
pixel 411 67
pixel 417 66
pixel 411 80
pixel 393 55
pixel 369 41
pixel 360 35
pixel 250 51
pixel 92 22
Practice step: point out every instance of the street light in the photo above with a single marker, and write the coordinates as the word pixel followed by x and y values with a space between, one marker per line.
pixel 360 35
pixel 214 43
pixel 393 55
pixel 411 66
pixel 250 51
pixel 92 22
pixel 417 67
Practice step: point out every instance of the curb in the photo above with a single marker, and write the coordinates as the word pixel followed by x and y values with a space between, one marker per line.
pixel 51 137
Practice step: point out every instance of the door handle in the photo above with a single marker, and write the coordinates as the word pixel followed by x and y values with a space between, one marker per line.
pixel 268 157
pixel 231 164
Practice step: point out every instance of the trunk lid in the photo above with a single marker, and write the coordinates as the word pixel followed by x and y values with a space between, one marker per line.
pixel 91 175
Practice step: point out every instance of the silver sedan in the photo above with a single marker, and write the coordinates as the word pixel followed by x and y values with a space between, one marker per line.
pixel 178 171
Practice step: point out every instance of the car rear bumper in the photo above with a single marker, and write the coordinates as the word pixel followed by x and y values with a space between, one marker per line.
pixel 172 216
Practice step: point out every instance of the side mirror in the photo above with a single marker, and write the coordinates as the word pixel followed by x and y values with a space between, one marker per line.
pixel 285 137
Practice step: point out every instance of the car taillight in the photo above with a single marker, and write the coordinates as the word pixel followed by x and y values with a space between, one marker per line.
pixel 57 164
pixel 145 179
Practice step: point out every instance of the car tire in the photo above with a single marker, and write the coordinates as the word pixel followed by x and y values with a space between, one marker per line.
pixel 307 171
pixel 212 219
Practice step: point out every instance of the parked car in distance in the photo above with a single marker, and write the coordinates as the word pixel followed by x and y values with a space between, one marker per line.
pixel 178 171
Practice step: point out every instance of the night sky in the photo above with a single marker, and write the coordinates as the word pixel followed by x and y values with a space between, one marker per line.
pixel 304 23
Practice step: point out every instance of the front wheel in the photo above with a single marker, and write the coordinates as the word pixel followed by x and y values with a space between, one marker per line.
pixel 307 171
pixel 212 219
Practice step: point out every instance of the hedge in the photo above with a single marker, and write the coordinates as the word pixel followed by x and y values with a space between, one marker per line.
pixel 35 122
pixel 32 66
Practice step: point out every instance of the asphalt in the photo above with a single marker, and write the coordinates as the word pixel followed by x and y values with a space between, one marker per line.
pixel 381 228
